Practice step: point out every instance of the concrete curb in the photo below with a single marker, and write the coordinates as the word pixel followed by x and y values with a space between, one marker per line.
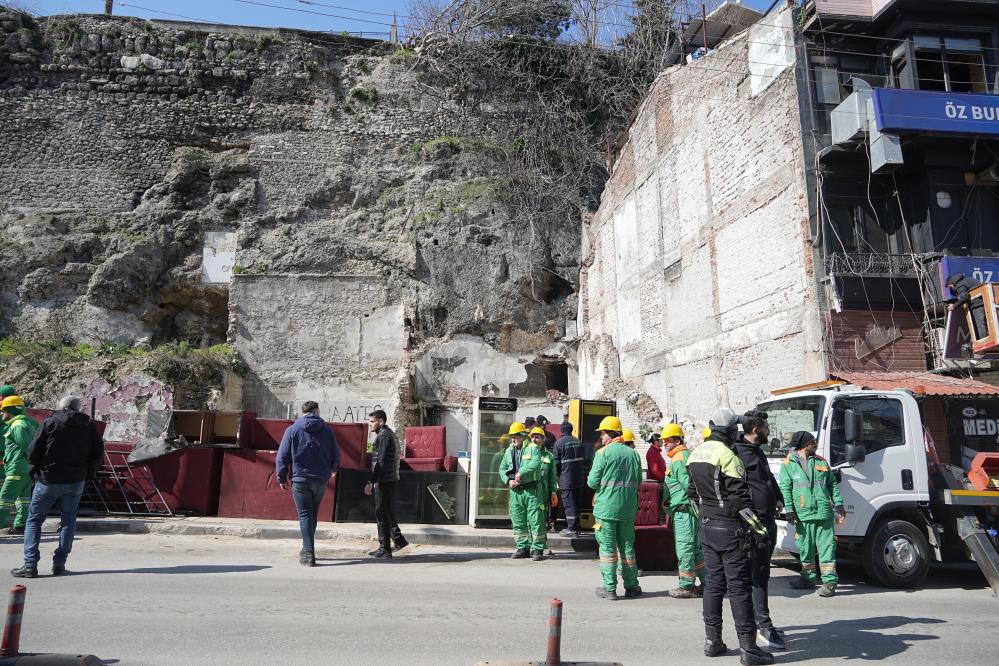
pixel 430 535
pixel 54 659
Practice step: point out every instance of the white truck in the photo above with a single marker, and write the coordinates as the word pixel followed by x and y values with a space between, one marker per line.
pixel 902 512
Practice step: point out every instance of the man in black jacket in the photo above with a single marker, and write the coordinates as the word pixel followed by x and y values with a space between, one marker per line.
pixel 766 498
pixel 569 462
pixel 384 477
pixel 64 454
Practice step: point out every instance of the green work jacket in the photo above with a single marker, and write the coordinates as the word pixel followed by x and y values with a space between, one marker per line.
pixel 677 480
pixel 17 435
pixel 809 487
pixel 615 477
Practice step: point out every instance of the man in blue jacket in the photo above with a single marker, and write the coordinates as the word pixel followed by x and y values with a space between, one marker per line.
pixel 310 450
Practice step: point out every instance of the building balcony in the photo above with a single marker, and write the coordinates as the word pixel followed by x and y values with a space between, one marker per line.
pixel 871 265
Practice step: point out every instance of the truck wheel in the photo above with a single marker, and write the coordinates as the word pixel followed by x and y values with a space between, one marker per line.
pixel 897 555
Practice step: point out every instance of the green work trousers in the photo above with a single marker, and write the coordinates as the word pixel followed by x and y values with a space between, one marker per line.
pixel 528 513
pixel 15 494
pixel 816 539
pixel 690 560
pixel 616 542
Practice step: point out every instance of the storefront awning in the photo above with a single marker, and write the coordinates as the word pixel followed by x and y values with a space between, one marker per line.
pixel 918 382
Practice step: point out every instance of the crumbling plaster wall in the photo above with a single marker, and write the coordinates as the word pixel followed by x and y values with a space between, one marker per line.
pixel 696 288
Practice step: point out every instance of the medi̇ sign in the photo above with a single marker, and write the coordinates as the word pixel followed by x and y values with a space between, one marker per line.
pixel 909 111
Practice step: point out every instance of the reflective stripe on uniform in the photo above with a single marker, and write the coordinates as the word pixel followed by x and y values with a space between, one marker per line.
pixel 569 460
pixel 12 478
pixel 619 484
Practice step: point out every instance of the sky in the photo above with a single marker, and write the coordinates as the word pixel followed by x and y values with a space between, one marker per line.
pixel 358 16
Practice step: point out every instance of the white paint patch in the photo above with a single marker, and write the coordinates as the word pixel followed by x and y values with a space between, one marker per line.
pixel 771 50
pixel 218 257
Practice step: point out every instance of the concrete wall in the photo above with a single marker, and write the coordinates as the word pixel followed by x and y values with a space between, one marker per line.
pixel 697 287
pixel 337 340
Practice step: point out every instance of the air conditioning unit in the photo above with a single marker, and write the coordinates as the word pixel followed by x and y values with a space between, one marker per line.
pixel 850 118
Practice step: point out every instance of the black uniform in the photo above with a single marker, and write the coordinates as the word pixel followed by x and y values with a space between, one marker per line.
pixel 719 489
pixel 569 461
pixel 766 498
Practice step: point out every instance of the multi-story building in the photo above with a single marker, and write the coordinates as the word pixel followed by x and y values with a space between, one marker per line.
pixel 787 207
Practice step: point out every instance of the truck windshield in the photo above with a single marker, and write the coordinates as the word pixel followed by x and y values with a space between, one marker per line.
pixel 787 416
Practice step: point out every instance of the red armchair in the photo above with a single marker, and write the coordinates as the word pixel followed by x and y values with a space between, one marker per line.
pixel 654 548
pixel 425 448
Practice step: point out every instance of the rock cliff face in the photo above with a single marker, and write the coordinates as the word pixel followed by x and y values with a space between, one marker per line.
pixel 369 229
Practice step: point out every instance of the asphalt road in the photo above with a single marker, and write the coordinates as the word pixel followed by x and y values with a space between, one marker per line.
pixel 166 599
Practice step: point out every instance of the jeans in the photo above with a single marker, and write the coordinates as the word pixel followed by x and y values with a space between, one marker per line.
pixel 45 495
pixel 388 528
pixel 729 565
pixel 762 553
pixel 308 495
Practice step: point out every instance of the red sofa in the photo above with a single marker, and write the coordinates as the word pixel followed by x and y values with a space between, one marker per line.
pixel 249 489
pixel 425 448
pixel 654 547
pixel 266 434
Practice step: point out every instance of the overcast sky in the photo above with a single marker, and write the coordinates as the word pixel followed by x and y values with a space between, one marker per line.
pixel 372 16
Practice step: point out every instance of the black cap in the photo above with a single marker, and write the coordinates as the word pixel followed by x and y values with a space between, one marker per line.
pixel 566 428
pixel 542 420
pixel 801 439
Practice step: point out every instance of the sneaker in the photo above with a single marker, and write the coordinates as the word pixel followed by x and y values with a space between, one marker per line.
pixel 800 583
pixel 683 593
pixel 401 543
pixel 520 554
pixel 632 592
pixel 302 558
pixel 537 555
pixel 382 554
pixel 59 570
pixel 569 534
pixel 769 637
pixel 24 572
pixel 698 591
pixel 827 591
pixel 16 530
pixel 308 558
pixel 604 593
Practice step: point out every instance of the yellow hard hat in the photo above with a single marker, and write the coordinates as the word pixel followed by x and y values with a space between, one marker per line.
pixel 517 429
pixel 627 436
pixel 12 401
pixel 612 423
pixel 537 431
pixel 706 432
pixel 672 430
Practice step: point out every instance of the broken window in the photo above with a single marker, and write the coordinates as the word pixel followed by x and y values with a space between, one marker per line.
pixel 954 64
pixel 857 230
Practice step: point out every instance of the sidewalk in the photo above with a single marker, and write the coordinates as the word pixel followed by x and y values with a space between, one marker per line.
pixel 462 536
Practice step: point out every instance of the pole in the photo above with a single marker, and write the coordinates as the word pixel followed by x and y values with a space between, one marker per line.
pixel 108 7
pixel 704 27
pixel 12 627
pixel 93 408
pixel 555 634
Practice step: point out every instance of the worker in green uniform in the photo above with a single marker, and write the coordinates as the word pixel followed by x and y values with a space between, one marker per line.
pixel 537 480
pixel 509 467
pixel 539 438
pixel 6 391
pixel 812 502
pixel 15 494
pixel 690 560
pixel 615 477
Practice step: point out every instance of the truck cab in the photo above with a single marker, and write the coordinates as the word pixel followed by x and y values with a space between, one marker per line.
pixel 885 484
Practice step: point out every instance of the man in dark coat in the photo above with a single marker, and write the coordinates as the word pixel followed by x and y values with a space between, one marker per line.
pixel 384 477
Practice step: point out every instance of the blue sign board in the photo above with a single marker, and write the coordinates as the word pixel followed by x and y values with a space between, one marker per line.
pixel 908 111
pixel 983 269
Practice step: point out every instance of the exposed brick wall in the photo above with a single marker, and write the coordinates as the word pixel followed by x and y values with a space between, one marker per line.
pixel 711 184
pixel 849 327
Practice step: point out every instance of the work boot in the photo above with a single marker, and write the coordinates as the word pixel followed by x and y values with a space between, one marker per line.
pixel 800 583
pixel 683 593
pixel 827 590
pixel 537 555
pixel 632 592
pixel 382 554
pixel 16 530
pixel 520 554
pixel 771 638
pixel 401 543
pixel 58 569
pixel 24 571
pixel 750 655
pixel 713 644
pixel 308 558
pixel 604 593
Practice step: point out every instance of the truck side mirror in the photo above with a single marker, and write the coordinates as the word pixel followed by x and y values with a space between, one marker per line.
pixel 851 426
pixel 855 453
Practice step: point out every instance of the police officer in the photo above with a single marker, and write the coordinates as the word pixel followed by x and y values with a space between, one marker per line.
pixel 690 560
pixel 766 500
pixel 615 477
pixel 569 461
pixel 719 489
pixel 811 498
pixel 519 496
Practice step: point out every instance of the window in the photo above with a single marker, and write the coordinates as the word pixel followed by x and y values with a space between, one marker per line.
pixel 881 425
pixel 856 230
pixel 786 417
pixel 954 64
